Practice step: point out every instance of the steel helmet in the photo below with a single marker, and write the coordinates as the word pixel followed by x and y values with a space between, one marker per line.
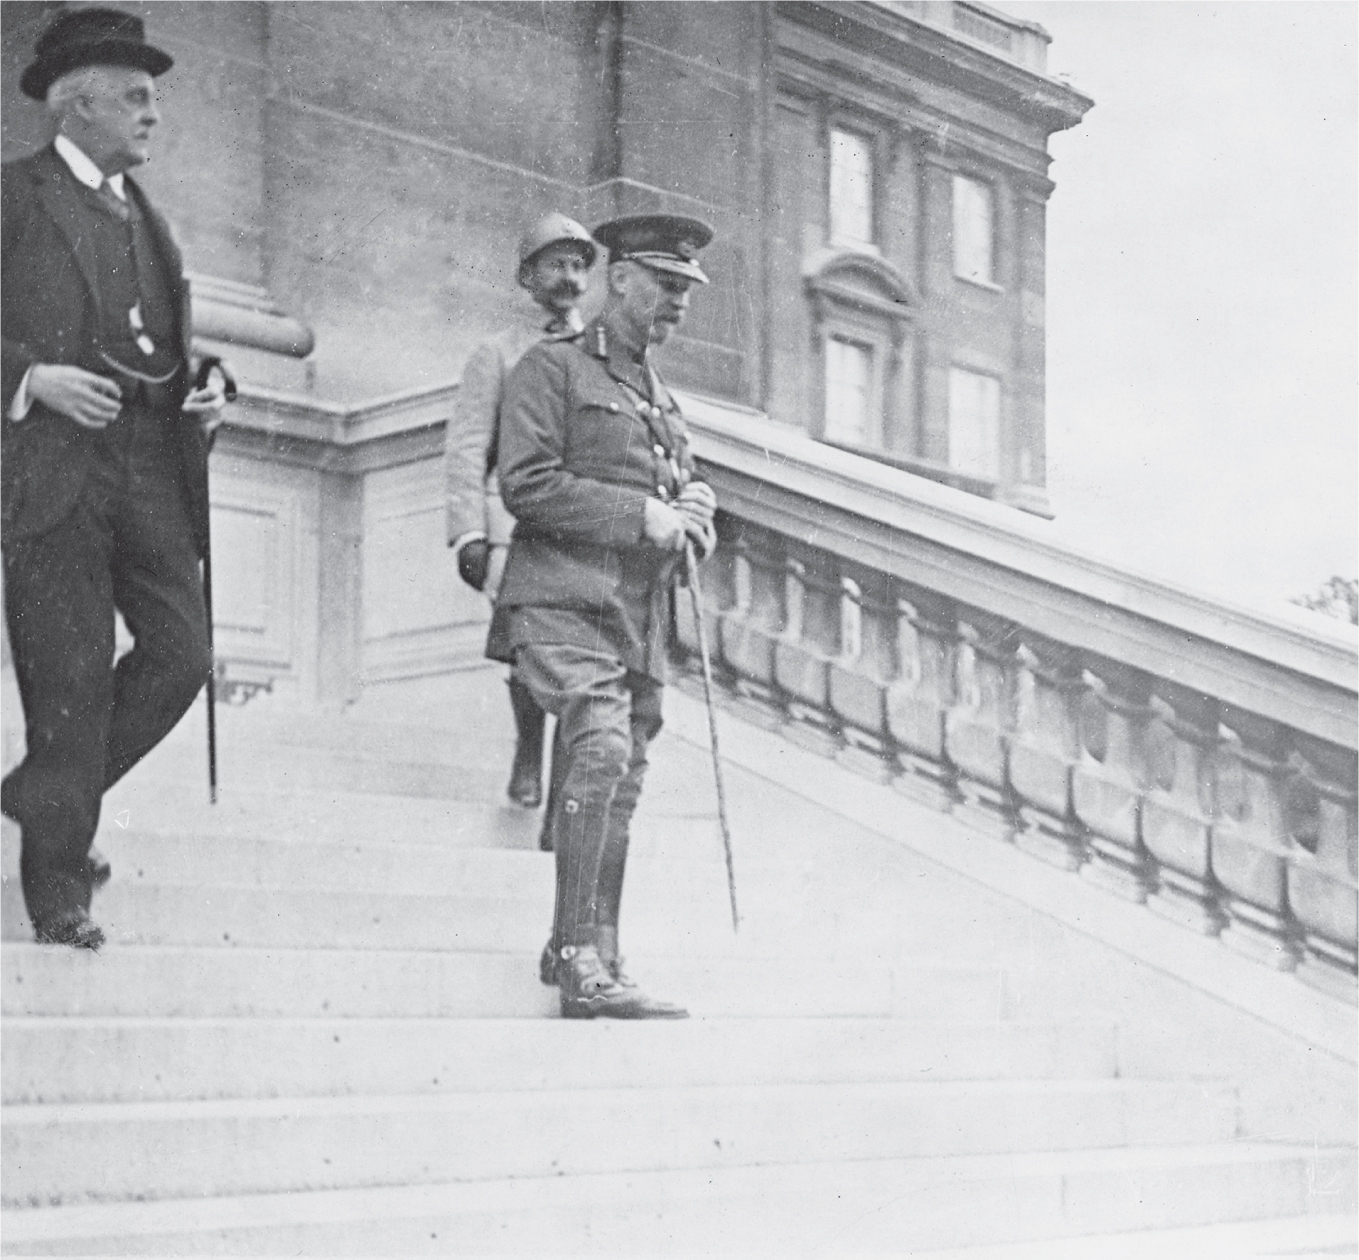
pixel 549 230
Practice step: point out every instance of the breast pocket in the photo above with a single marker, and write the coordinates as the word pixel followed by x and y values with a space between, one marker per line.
pixel 608 441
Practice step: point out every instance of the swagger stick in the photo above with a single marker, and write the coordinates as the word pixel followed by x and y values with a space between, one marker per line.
pixel 691 563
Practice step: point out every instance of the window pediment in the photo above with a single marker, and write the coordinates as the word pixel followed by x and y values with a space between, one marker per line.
pixel 859 279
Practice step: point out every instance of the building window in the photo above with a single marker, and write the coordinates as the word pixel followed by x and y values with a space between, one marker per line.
pixel 974 423
pixel 849 392
pixel 851 189
pixel 973 230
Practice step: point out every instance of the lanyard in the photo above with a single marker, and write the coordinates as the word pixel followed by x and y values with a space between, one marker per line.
pixel 662 437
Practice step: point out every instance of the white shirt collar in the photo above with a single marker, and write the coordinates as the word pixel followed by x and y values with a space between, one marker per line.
pixel 84 169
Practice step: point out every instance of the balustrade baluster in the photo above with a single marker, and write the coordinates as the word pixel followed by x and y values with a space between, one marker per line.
pixel 920 696
pixel 1251 844
pixel 860 677
pixel 1177 811
pixel 811 640
pixel 1111 777
pixel 1323 875
pixel 977 729
pixel 1044 750
pixel 749 630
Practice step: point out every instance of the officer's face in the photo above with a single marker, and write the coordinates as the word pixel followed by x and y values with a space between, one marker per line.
pixel 654 303
pixel 113 117
pixel 557 276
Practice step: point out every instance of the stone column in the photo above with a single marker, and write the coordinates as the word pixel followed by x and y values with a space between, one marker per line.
pixel 1110 778
pixel 1044 750
pixel 748 632
pixel 1251 842
pixel 810 641
pixel 1177 812
pixel 1323 878
pixel 921 695
pixel 860 677
pixel 978 728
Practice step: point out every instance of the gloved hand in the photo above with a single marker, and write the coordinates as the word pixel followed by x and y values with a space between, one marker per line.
pixel 474 561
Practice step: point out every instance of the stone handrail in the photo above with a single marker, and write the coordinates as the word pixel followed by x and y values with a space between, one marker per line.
pixel 1176 750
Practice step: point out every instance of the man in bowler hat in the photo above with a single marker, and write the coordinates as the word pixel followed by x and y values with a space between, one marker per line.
pixel 596 470
pixel 105 439
pixel 555 256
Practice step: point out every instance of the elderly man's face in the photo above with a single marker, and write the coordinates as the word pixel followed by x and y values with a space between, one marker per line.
pixel 114 116
pixel 652 303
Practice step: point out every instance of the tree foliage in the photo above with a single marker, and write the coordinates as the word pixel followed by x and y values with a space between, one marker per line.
pixel 1337 597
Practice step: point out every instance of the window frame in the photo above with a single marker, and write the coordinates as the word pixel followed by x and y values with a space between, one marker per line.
pixel 989 184
pixel 869 138
pixel 965 368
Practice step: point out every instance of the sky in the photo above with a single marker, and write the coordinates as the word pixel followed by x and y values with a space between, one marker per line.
pixel 1203 345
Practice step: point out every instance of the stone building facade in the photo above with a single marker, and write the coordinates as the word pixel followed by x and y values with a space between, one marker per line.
pixel 876 173
pixel 349 182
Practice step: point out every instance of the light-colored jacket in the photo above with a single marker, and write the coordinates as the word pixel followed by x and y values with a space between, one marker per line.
pixel 471 490
pixel 471 439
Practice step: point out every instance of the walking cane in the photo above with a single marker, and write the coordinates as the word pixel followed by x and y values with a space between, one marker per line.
pixel 205 370
pixel 691 564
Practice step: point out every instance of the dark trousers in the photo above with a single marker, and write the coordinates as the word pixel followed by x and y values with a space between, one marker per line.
pixel 607 717
pixel 126 546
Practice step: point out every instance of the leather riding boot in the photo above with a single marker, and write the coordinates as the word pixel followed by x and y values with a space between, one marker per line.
pixel 556 770
pixel 607 947
pixel 526 786
pixel 588 991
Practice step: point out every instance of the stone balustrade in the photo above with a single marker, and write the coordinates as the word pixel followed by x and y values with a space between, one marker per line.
pixel 1176 751
pixel 1171 749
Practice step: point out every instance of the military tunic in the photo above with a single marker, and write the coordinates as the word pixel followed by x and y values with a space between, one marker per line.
pixel 588 434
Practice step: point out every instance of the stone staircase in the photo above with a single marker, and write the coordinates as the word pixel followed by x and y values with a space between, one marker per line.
pixel 318 1028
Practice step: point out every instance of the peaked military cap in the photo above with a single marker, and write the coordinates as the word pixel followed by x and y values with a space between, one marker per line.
pixel 90 37
pixel 663 242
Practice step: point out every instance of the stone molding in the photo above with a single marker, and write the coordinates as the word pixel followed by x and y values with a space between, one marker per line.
pixel 1009 564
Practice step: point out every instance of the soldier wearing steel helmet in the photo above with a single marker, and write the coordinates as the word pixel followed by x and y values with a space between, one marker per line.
pixel 555 255
pixel 595 468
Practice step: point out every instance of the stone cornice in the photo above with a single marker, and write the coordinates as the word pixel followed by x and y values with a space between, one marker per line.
pixel 921 49
pixel 1012 565
pixel 310 432
pixel 821 86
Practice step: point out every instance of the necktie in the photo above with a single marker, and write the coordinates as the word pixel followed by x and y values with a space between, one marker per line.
pixel 115 204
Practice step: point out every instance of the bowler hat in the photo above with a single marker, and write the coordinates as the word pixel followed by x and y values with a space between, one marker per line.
pixel 663 242
pixel 90 37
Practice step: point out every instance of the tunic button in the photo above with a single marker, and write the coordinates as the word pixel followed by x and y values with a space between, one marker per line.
pixel 613 406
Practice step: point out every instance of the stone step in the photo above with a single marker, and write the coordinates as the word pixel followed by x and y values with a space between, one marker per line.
pixel 1299 1237
pixel 66 1153
pixel 880 1208
pixel 210 982
pixel 261 857
pixel 82 1059
pixel 664 915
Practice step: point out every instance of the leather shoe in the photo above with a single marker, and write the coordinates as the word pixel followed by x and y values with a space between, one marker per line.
pixel 74 928
pixel 100 870
pixel 547 965
pixel 589 991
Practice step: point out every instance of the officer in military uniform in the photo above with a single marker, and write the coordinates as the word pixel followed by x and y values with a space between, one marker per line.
pixel 595 468
pixel 555 256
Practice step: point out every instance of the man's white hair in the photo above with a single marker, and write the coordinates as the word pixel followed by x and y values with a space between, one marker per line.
pixel 68 86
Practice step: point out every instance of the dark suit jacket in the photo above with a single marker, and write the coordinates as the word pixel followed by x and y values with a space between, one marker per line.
pixel 51 314
pixel 577 463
